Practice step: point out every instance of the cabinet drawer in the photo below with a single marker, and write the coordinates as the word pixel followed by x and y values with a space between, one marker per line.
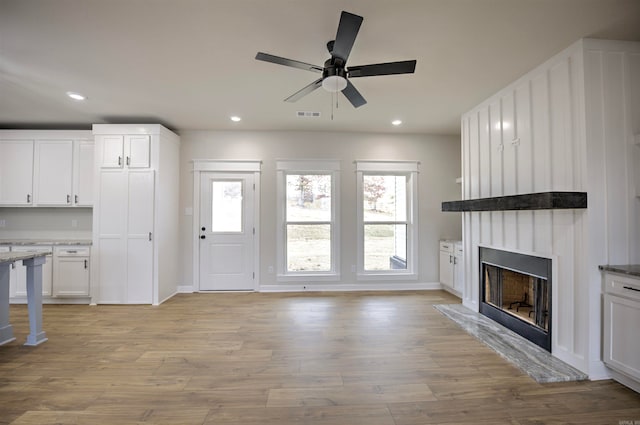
pixel 622 285
pixel 67 251
pixel 446 246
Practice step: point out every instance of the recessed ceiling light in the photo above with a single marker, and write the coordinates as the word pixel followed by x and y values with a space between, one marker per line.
pixel 235 118
pixel 75 96
pixel 396 122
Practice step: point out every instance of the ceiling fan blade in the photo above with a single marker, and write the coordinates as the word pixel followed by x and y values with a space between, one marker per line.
pixel 304 91
pixel 347 31
pixel 403 67
pixel 287 62
pixel 353 95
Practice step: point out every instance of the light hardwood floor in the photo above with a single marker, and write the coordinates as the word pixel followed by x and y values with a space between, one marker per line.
pixel 312 358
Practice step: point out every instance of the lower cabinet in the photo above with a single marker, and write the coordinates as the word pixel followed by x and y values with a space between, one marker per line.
pixel 18 286
pixel 621 317
pixel 71 271
pixel 65 274
pixel 451 270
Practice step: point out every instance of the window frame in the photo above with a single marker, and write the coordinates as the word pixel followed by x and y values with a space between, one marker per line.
pixel 409 169
pixel 307 167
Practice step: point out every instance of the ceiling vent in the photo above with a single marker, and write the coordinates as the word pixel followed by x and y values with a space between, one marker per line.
pixel 308 114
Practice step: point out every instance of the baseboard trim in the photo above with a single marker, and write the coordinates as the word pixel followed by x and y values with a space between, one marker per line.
pixel 185 289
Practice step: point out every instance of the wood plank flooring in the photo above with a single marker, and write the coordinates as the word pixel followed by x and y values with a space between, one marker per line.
pixel 312 358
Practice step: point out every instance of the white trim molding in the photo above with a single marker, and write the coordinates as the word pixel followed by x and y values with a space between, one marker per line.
pixel 307 166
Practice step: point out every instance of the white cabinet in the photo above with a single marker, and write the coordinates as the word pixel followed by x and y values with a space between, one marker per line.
pixel 18 286
pixel 53 172
pixel 621 351
pixel 135 216
pixel 125 236
pixel 126 151
pixel 71 271
pixel 83 170
pixel 16 172
pixel 451 267
pixel 446 263
pixel 49 168
pixel 458 268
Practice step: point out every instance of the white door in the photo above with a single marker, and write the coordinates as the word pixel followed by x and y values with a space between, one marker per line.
pixel 226 232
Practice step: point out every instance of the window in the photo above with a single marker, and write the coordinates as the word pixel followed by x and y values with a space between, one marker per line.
pixel 307 213
pixel 387 219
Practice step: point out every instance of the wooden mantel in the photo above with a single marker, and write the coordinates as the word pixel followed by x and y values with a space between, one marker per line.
pixel 529 201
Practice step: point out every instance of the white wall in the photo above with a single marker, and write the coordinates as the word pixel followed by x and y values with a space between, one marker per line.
pixel 46 223
pixel 440 166
pixel 568 125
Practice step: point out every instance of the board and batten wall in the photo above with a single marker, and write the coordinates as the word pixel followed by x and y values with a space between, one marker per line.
pixel 568 125
pixel 439 158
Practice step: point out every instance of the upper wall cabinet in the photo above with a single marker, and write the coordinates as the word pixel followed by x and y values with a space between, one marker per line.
pixel 16 172
pixel 46 168
pixel 131 151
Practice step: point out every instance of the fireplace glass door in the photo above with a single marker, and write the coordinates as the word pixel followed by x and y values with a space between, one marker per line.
pixel 516 292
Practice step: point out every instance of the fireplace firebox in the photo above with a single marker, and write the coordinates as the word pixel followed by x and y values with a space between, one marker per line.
pixel 516 291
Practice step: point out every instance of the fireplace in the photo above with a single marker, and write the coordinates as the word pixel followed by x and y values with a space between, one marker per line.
pixel 515 291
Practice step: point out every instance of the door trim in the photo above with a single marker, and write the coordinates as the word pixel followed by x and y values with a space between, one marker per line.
pixel 225 166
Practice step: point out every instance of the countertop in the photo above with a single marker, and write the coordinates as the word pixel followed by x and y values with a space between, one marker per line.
pixel 628 269
pixel 10 257
pixel 43 242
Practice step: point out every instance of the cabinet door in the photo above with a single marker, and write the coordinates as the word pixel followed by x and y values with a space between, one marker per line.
pixel 458 270
pixel 138 151
pixel 71 277
pixel 446 268
pixel 111 246
pixel 83 178
pixel 54 172
pixel 112 151
pixel 140 237
pixel 16 172
pixel 621 318
pixel 18 287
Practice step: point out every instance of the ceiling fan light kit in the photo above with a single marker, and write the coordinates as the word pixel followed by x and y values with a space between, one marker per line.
pixel 335 73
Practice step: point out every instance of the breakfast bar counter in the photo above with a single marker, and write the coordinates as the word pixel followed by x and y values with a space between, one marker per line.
pixel 33 261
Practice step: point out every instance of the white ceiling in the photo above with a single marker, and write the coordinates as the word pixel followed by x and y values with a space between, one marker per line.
pixel 189 64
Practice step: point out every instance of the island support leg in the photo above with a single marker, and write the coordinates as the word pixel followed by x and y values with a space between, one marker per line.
pixel 34 300
pixel 6 330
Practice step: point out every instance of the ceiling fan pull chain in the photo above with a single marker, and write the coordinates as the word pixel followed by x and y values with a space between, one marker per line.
pixel 332 106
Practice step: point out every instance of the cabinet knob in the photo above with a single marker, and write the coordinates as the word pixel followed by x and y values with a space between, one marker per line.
pixel 76 198
pixel 119 160
pixel 203 237
pixel 203 228
pixel 28 198
pixel 68 199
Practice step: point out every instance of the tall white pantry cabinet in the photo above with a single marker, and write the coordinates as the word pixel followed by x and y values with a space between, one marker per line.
pixel 135 214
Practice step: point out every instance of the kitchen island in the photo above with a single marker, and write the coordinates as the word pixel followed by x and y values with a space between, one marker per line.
pixel 33 261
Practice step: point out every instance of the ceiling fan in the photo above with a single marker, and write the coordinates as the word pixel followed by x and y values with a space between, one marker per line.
pixel 335 73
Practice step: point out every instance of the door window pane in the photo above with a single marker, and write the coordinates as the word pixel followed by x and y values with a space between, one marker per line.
pixel 385 198
pixel 226 206
pixel 308 247
pixel 308 197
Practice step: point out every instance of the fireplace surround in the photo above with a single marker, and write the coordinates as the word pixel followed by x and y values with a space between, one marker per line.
pixel 515 291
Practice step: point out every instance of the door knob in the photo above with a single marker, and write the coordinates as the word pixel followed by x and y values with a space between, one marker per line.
pixel 202 237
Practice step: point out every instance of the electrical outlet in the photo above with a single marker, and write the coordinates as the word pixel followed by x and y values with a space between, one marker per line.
pixel 74 223
pixel 270 269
